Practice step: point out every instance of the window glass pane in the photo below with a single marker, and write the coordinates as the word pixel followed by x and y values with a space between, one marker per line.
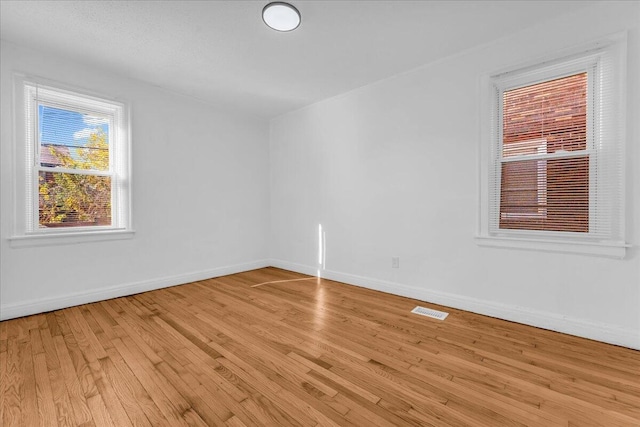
pixel 73 140
pixel 547 117
pixel 73 200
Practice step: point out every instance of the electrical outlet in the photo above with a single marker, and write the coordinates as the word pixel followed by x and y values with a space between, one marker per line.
pixel 395 262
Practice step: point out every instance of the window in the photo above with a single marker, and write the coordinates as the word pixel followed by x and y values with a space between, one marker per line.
pixel 554 172
pixel 75 153
pixel 544 160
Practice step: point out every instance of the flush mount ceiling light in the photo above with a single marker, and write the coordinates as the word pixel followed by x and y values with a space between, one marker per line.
pixel 281 16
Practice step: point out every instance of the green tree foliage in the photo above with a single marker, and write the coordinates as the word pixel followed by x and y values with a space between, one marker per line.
pixel 73 199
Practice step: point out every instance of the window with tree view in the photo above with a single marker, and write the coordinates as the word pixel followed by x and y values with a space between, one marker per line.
pixel 77 162
pixel 74 177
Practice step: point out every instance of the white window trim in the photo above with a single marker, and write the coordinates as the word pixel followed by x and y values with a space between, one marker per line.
pixel 559 242
pixel 26 232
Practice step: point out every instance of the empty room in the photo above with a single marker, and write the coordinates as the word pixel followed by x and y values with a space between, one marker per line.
pixel 319 213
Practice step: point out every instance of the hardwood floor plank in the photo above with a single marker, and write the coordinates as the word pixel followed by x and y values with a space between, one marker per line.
pixel 28 395
pixel 81 411
pixel 160 391
pixel 13 382
pixel 49 349
pixel 44 394
pixel 52 324
pixel 119 399
pixel 5 379
pixel 285 400
pixel 234 422
pixel 4 335
pixel 258 410
pixel 36 342
pixel 309 352
pixel 99 411
pixel 138 392
pixel 85 337
pixel 335 378
pixel 64 410
pixel 194 396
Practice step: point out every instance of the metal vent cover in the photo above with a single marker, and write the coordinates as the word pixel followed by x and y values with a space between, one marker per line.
pixel 434 314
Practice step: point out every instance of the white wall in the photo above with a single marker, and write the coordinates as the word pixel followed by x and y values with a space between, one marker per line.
pixel 391 169
pixel 200 197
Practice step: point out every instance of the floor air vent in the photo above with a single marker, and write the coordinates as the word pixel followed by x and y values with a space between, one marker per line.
pixel 435 314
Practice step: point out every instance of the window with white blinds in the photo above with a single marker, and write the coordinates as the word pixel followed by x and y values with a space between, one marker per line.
pixel 544 157
pixel 76 157
pixel 557 151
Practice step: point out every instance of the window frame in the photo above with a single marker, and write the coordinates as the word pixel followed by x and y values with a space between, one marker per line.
pixel 31 92
pixel 586 58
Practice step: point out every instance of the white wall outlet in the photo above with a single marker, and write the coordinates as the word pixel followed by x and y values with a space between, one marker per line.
pixel 395 262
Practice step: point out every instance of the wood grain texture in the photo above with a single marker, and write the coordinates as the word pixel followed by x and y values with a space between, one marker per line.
pixel 313 352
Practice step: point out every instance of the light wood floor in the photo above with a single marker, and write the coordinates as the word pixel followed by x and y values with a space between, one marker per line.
pixel 309 352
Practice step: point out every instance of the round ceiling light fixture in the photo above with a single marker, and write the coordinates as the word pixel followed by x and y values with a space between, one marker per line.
pixel 281 16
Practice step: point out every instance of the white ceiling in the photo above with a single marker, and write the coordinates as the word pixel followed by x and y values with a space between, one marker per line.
pixel 221 51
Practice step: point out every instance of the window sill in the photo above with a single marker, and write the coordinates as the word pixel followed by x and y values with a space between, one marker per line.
pixel 602 249
pixel 68 238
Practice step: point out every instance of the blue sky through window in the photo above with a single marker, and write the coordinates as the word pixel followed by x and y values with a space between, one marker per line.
pixel 69 128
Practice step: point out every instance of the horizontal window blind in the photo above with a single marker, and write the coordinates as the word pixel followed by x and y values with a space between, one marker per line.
pixel 548 194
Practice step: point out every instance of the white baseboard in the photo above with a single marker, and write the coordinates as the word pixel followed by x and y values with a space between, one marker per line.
pixel 573 326
pixel 10 311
